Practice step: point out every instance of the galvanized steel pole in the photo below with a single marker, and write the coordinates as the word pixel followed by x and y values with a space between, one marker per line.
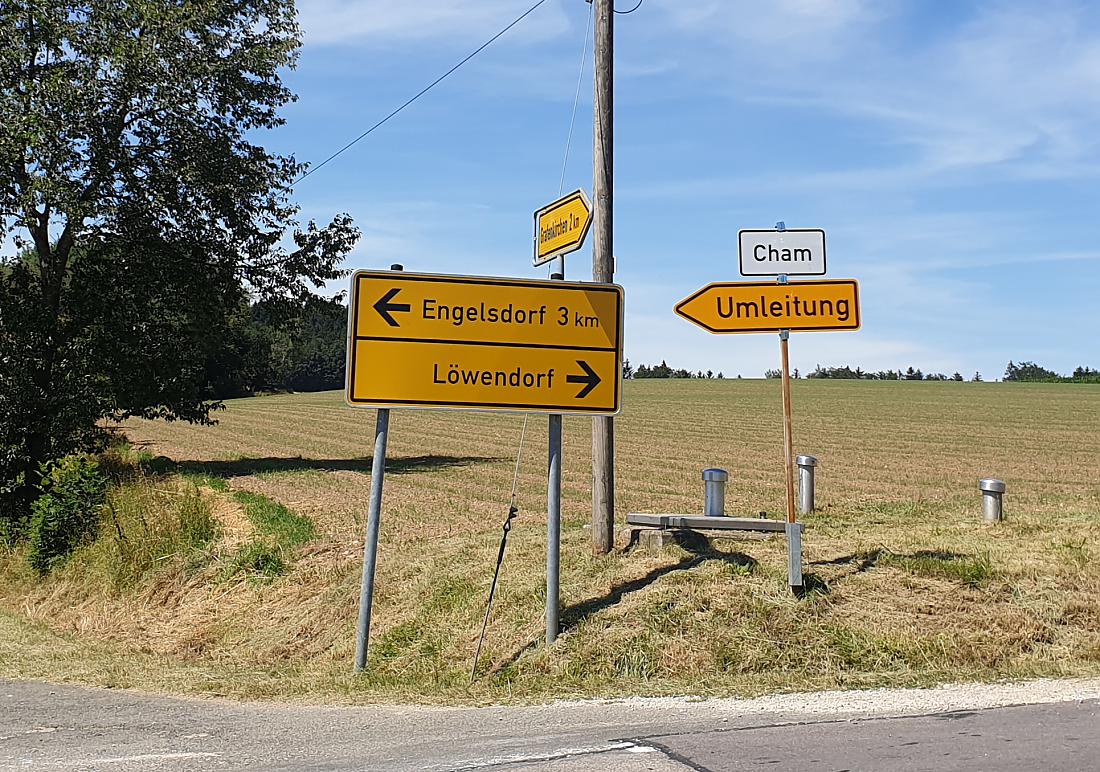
pixel 603 263
pixel 553 530
pixel 553 517
pixel 370 544
pixel 374 518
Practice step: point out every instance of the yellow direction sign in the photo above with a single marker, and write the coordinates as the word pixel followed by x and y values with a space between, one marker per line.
pixel 831 304
pixel 561 227
pixel 432 341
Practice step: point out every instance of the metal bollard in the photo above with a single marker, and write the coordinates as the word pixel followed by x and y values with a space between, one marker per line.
pixel 992 492
pixel 715 484
pixel 806 466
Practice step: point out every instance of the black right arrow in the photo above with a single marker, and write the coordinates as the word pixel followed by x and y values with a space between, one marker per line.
pixel 384 307
pixel 590 379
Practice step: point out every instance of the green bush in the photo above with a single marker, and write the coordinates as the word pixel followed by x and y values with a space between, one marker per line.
pixel 13 521
pixel 67 512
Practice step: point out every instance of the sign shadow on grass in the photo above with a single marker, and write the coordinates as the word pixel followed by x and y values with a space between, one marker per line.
pixel 573 615
pixel 244 467
pixel 937 561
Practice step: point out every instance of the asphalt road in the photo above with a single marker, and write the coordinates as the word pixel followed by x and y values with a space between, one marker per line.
pixel 46 726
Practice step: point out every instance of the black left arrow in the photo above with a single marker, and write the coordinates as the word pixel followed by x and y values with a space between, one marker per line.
pixel 384 307
pixel 589 379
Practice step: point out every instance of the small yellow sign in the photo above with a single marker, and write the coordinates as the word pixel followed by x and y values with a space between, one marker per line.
pixel 426 340
pixel 806 306
pixel 561 227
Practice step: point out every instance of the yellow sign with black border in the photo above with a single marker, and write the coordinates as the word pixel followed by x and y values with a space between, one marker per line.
pixel 484 343
pixel 799 306
pixel 562 226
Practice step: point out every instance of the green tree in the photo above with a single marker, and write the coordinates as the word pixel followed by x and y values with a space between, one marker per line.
pixel 1029 371
pixel 1086 375
pixel 310 352
pixel 142 212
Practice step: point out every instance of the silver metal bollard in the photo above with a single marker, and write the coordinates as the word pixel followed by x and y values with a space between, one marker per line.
pixel 992 492
pixel 806 466
pixel 715 495
pixel 794 555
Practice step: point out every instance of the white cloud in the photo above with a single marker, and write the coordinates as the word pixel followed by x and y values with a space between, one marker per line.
pixel 1017 86
pixel 327 22
pixel 779 32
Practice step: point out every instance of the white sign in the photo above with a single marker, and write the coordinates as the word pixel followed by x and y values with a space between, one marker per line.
pixel 795 252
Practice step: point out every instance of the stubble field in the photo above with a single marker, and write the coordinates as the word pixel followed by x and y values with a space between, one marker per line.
pixel 908 585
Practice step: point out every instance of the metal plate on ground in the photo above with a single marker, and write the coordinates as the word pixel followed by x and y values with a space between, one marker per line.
pixel 705 523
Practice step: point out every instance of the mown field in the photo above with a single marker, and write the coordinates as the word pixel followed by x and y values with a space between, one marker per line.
pixel 909 586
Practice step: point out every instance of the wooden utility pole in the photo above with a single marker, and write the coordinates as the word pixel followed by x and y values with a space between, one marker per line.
pixel 603 264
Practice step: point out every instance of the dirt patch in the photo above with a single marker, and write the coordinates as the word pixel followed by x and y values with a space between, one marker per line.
pixel 236 527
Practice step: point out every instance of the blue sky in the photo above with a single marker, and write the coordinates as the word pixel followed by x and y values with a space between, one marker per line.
pixel 951 151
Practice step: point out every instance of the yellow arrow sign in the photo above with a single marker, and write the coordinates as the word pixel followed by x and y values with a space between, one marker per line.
pixel 561 227
pixel 807 306
pixel 425 340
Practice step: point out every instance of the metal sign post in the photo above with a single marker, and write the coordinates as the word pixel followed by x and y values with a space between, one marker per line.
pixel 370 542
pixel 480 343
pixel 553 517
pixel 560 228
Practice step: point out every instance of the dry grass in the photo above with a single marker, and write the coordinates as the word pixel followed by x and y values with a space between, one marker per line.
pixel 910 586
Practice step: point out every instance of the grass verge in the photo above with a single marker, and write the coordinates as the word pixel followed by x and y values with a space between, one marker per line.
pixel 909 586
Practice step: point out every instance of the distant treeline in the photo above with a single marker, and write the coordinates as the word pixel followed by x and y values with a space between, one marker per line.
pixel 1029 371
pixel 663 371
pixel 1023 372
pixel 858 374
pixel 271 348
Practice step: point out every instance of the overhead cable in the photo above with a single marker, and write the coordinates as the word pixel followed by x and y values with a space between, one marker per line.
pixel 576 101
pixel 423 91
pixel 632 10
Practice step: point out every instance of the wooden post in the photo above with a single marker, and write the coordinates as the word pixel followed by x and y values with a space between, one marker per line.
pixel 603 265
pixel 788 442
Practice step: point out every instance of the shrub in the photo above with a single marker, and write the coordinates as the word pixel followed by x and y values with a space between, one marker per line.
pixel 13 521
pixel 67 512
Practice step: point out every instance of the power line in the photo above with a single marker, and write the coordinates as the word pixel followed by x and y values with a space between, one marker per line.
pixel 576 101
pixel 424 91
pixel 632 10
pixel 553 265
